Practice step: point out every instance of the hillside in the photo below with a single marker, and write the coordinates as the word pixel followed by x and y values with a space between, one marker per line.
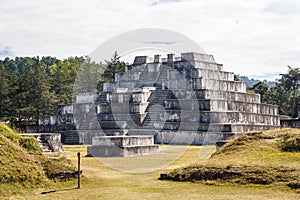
pixel 22 163
pixel 251 82
pixel 271 157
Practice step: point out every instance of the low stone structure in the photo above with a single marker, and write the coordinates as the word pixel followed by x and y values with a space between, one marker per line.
pixel 290 123
pixel 122 146
pixel 48 142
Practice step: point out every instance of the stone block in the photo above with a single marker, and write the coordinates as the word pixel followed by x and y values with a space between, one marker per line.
pixel 122 146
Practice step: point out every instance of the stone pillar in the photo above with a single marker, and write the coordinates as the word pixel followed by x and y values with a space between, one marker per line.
pixel 298 111
pixel 107 97
pixel 138 60
pixel 117 77
pixel 157 58
pixel 171 57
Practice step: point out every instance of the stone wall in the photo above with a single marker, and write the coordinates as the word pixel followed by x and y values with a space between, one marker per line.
pixel 220 105
pixel 49 128
pixel 290 123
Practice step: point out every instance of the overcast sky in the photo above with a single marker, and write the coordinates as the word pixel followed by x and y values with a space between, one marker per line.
pixel 258 38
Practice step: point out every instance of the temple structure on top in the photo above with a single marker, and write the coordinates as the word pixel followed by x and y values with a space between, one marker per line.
pixel 180 100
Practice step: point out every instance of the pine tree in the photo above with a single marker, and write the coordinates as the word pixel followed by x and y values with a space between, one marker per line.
pixel 112 67
pixel 4 91
pixel 88 77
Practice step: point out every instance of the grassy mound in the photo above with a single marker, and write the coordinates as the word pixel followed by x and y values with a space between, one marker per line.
pixel 252 158
pixel 22 162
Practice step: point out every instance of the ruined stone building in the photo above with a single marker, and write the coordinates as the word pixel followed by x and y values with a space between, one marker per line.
pixel 181 100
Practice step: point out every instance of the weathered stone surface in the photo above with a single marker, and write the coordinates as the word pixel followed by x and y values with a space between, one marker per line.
pixel 122 146
pixel 193 102
pixel 184 100
pixel 48 142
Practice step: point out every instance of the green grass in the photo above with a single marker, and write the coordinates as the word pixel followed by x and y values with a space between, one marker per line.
pixel 258 149
pixel 9 133
pixel 101 181
pixel 251 158
pixel 22 164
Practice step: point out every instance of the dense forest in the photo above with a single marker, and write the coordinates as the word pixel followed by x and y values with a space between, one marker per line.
pixel 32 87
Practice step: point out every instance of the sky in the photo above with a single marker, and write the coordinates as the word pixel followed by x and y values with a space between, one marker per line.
pixel 257 38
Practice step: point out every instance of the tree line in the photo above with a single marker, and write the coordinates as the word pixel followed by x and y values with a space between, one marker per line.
pixel 31 87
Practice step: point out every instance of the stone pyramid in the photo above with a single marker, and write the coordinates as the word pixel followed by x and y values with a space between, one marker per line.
pixel 180 100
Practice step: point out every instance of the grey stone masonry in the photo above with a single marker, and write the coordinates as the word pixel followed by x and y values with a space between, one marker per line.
pixel 122 146
pixel 178 100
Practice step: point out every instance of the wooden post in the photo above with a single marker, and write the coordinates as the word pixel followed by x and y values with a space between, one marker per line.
pixel 78 155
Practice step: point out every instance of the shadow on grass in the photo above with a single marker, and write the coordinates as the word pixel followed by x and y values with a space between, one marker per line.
pixel 59 190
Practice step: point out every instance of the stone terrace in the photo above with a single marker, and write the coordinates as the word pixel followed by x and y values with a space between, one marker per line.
pixel 182 100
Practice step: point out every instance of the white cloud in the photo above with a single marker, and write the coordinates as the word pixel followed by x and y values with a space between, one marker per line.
pixel 283 7
pixel 249 37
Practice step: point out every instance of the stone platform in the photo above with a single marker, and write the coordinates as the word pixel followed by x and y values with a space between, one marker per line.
pixel 122 146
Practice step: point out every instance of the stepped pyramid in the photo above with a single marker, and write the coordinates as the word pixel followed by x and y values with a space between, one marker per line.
pixel 179 100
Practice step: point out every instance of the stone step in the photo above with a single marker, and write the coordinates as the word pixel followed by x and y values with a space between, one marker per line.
pixel 71 138
pixel 154 110
pixel 102 98
pixel 43 143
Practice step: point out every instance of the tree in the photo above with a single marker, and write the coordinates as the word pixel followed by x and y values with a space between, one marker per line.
pixel 262 89
pixel 31 87
pixel 236 77
pixel 283 94
pixel 88 77
pixel 4 91
pixel 48 61
pixel 43 100
pixel 32 97
pixel 278 95
pixel 112 67
pixel 291 82
pixel 62 78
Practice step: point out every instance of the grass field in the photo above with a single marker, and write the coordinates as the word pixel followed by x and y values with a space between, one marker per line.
pixel 103 182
